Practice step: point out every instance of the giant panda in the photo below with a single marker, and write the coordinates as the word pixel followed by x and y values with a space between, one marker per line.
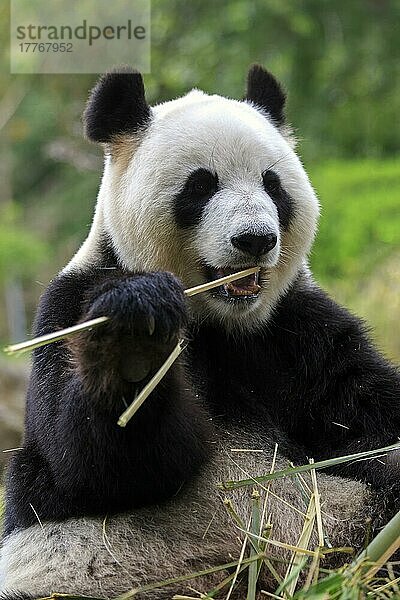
pixel 274 371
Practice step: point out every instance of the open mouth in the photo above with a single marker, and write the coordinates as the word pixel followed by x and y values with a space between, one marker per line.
pixel 244 289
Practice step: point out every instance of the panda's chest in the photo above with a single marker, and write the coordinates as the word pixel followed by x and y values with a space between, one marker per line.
pixel 242 381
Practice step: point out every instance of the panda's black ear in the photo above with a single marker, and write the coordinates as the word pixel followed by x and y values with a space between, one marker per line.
pixel 266 92
pixel 116 106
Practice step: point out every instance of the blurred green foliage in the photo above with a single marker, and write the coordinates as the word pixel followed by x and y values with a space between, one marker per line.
pixel 357 251
pixel 360 217
pixel 339 61
pixel 20 251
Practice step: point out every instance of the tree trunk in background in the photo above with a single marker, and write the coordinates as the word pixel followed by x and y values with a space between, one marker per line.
pixel 14 298
pixel 15 309
pixel 13 382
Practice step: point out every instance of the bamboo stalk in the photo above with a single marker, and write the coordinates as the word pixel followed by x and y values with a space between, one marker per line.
pixel 258 546
pixel 203 287
pixel 296 562
pixel 154 381
pixel 359 575
pixel 317 499
pixel 382 547
pixel 223 583
pixel 56 336
pixel 293 577
pixel 239 565
pixel 279 544
pixel 386 586
pixel 313 572
pixel 253 570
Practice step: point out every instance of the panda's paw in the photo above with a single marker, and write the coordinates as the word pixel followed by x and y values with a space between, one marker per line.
pixel 147 314
pixel 148 305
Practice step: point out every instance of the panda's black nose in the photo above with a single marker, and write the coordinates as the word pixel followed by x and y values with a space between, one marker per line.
pixel 253 244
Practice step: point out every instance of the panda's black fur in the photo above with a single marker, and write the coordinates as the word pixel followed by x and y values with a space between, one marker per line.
pixel 309 380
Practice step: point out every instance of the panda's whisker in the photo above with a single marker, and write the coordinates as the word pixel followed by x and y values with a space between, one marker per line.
pixel 288 252
pixel 211 159
pixel 272 165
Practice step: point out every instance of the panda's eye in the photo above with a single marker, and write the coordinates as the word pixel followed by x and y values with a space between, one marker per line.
pixel 202 183
pixel 271 182
pixel 200 187
pixel 196 192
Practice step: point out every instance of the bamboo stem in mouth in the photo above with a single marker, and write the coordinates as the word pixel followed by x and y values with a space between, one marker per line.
pixel 204 287
pixel 56 336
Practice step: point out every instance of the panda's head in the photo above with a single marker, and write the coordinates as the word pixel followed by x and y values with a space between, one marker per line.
pixel 203 186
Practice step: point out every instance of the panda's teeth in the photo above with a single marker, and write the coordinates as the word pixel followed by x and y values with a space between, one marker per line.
pixel 251 289
pixel 246 288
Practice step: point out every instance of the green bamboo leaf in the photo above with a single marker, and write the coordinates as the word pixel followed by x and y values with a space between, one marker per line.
pixel 290 472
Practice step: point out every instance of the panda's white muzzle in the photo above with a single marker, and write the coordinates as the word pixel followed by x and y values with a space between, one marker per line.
pixel 235 234
pixel 247 249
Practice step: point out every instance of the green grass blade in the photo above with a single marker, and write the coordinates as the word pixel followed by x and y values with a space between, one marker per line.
pixel 289 472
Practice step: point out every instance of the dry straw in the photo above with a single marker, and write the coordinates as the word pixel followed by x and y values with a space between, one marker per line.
pixel 322 464
pixel 352 582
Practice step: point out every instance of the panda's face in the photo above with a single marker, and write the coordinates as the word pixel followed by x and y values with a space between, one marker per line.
pixel 212 188
pixel 207 186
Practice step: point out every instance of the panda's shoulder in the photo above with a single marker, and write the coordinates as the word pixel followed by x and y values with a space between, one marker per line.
pixel 311 313
pixel 60 303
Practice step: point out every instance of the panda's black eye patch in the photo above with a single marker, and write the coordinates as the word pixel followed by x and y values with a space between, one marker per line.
pixel 197 190
pixel 282 200
pixel 271 182
pixel 202 183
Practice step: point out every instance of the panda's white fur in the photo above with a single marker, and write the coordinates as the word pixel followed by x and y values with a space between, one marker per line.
pixel 239 142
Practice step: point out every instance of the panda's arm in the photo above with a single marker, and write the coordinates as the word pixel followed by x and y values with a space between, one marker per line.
pixel 76 459
pixel 351 399
pixel 360 407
